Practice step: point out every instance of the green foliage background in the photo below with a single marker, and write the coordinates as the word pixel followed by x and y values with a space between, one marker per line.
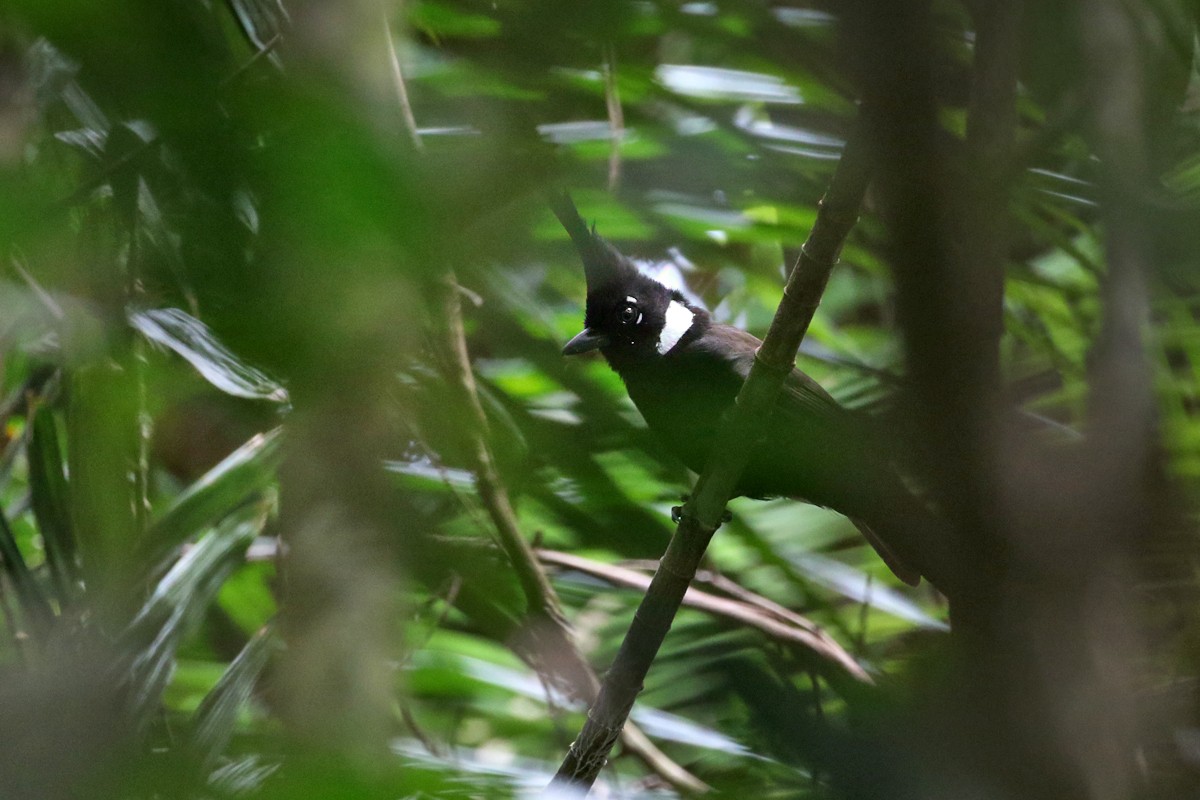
pixel 243 551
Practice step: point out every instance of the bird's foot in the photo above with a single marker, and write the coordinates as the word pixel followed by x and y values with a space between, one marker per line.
pixel 677 514
pixel 677 511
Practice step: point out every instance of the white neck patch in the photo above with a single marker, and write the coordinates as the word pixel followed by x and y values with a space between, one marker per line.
pixel 679 322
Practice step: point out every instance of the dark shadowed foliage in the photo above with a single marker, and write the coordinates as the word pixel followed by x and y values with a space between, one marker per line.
pixel 299 497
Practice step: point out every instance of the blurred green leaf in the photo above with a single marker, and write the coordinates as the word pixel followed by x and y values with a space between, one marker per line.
pixel 49 494
pixel 239 479
pixel 178 603
pixel 261 20
pixel 33 599
pixel 191 338
pixel 249 164
pixel 444 19
pixel 214 721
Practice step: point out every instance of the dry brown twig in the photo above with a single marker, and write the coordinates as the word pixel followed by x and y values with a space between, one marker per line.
pixel 790 628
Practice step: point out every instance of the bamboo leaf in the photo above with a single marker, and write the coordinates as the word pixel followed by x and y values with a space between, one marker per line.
pixel 857 586
pixel 260 20
pixel 242 777
pixel 32 599
pixel 177 605
pixel 214 720
pixel 49 494
pixel 192 339
pixel 242 475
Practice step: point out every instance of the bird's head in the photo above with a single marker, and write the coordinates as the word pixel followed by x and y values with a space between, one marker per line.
pixel 631 316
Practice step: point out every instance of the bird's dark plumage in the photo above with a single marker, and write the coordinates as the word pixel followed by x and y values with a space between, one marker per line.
pixel 683 371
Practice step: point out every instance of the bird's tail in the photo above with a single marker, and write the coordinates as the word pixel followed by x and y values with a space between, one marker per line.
pixel 899 567
pixel 914 540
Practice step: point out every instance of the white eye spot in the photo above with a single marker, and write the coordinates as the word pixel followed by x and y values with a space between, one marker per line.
pixel 678 322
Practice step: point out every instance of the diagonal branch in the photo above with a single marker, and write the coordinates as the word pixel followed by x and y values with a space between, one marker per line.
pixel 539 594
pixel 703 512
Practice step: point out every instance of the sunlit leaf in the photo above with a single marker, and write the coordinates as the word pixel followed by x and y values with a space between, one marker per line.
pixel 214 722
pixel 444 19
pixel 261 20
pixel 192 339
pixel 241 477
pixel 177 604
pixel 717 83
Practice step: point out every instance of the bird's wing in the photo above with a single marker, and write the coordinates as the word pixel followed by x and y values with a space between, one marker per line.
pixel 899 567
pixel 802 394
pixel 804 400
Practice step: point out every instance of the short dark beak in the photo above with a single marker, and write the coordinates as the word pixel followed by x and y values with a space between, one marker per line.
pixel 586 340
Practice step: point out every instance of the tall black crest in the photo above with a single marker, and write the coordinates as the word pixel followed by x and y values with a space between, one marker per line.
pixel 602 263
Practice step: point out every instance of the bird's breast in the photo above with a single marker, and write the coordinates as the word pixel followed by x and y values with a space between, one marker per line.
pixel 682 404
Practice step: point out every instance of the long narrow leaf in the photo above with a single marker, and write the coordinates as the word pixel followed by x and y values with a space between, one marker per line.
pixel 857 586
pixel 8 456
pixel 239 477
pixel 48 492
pixel 192 339
pixel 260 20
pixel 178 604
pixel 214 720
pixel 32 599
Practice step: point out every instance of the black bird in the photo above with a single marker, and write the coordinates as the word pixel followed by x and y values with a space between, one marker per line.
pixel 683 371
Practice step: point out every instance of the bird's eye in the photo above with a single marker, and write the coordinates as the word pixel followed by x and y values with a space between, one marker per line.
pixel 629 314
